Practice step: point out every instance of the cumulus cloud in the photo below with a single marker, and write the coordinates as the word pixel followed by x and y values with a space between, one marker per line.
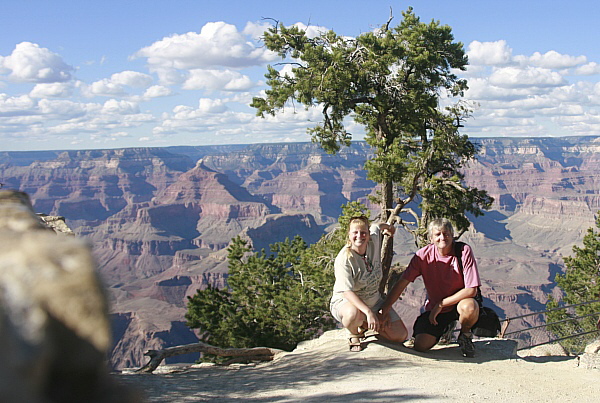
pixel 205 106
pixel 104 87
pixel 157 91
pixel 62 109
pixel 576 93
pixel 52 90
pixel 15 106
pixel 513 77
pixel 489 53
pixel 481 89
pixel 217 44
pixel 132 79
pixel 214 80
pixel 588 69
pixel 256 30
pixel 553 60
pixel 122 107
pixel 115 86
pixel 31 63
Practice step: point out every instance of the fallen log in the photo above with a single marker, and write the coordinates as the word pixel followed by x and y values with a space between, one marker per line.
pixel 256 353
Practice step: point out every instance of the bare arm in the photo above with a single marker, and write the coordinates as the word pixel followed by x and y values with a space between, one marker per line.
pixel 450 301
pixel 458 296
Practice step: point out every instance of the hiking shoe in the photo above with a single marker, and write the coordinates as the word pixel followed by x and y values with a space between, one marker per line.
pixel 466 345
pixel 447 336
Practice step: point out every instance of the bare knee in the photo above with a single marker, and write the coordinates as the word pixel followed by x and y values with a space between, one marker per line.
pixel 468 311
pixel 397 333
pixel 351 316
pixel 424 342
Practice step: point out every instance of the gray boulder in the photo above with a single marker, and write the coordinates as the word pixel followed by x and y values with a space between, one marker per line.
pixel 54 326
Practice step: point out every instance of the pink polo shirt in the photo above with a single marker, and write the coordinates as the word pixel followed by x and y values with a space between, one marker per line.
pixel 441 274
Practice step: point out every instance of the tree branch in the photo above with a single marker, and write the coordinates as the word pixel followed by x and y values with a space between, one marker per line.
pixel 387 24
pixel 256 353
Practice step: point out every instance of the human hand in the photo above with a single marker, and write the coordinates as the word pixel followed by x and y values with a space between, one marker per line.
pixel 373 321
pixel 384 320
pixel 389 230
pixel 434 313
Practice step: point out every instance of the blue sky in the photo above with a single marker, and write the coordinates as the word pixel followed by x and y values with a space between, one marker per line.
pixel 107 74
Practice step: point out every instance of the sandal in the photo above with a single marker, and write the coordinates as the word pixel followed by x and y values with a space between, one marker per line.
pixel 355 345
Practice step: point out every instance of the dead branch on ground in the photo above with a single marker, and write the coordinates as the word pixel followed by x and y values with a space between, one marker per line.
pixel 256 353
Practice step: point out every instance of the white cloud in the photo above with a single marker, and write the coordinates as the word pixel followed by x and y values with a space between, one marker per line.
pixel 52 90
pixel 157 91
pixel 566 110
pixel 132 79
pixel 112 106
pixel 62 109
pixel 481 89
pixel 215 80
pixel 169 76
pixel 582 124
pixel 588 69
pixel 256 30
pixel 104 87
pixel 554 60
pixel 513 77
pixel 115 86
pixel 534 103
pixel 16 106
pixel 577 93
pixel 207 105
pixel 217 44
pixel 489 53
pixel 30 63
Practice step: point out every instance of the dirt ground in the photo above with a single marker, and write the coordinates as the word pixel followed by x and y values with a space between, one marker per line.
pixel 324 370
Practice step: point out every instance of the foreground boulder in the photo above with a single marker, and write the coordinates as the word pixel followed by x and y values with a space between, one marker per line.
pixel 54 327
pixel 590 359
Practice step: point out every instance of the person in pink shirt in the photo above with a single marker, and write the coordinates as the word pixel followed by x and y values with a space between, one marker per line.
pixel 451 290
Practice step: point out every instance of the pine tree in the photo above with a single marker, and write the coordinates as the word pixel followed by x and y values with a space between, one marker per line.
pixel 274 300
pixel 391 82
pixel 580 283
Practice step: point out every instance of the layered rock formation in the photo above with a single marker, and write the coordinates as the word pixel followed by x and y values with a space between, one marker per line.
pixel 160 219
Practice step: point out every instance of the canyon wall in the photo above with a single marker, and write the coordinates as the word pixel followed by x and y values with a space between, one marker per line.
pixel 160 219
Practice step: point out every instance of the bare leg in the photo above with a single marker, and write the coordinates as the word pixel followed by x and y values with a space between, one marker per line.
pixel 424 342
pixel 352 318
pixel 396 332
pixel 468 314
pixel 468 311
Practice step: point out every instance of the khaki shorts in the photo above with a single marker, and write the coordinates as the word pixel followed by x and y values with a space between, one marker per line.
pixel 335 309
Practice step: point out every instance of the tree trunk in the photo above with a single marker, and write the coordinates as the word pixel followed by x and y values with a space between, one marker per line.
pixel 387 244
pixel 256 353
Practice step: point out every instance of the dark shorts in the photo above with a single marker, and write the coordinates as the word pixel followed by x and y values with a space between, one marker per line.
pixel 444 320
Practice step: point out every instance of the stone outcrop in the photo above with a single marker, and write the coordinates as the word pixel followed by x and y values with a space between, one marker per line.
pixel 54 322
pixel 590 359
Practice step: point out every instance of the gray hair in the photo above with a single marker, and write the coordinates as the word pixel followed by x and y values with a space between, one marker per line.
pixel 440 224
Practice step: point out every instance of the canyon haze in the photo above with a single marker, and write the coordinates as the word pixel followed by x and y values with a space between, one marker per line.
pixel 160 219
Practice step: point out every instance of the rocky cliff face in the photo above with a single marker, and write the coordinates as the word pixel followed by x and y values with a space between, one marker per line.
pixel 160 219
